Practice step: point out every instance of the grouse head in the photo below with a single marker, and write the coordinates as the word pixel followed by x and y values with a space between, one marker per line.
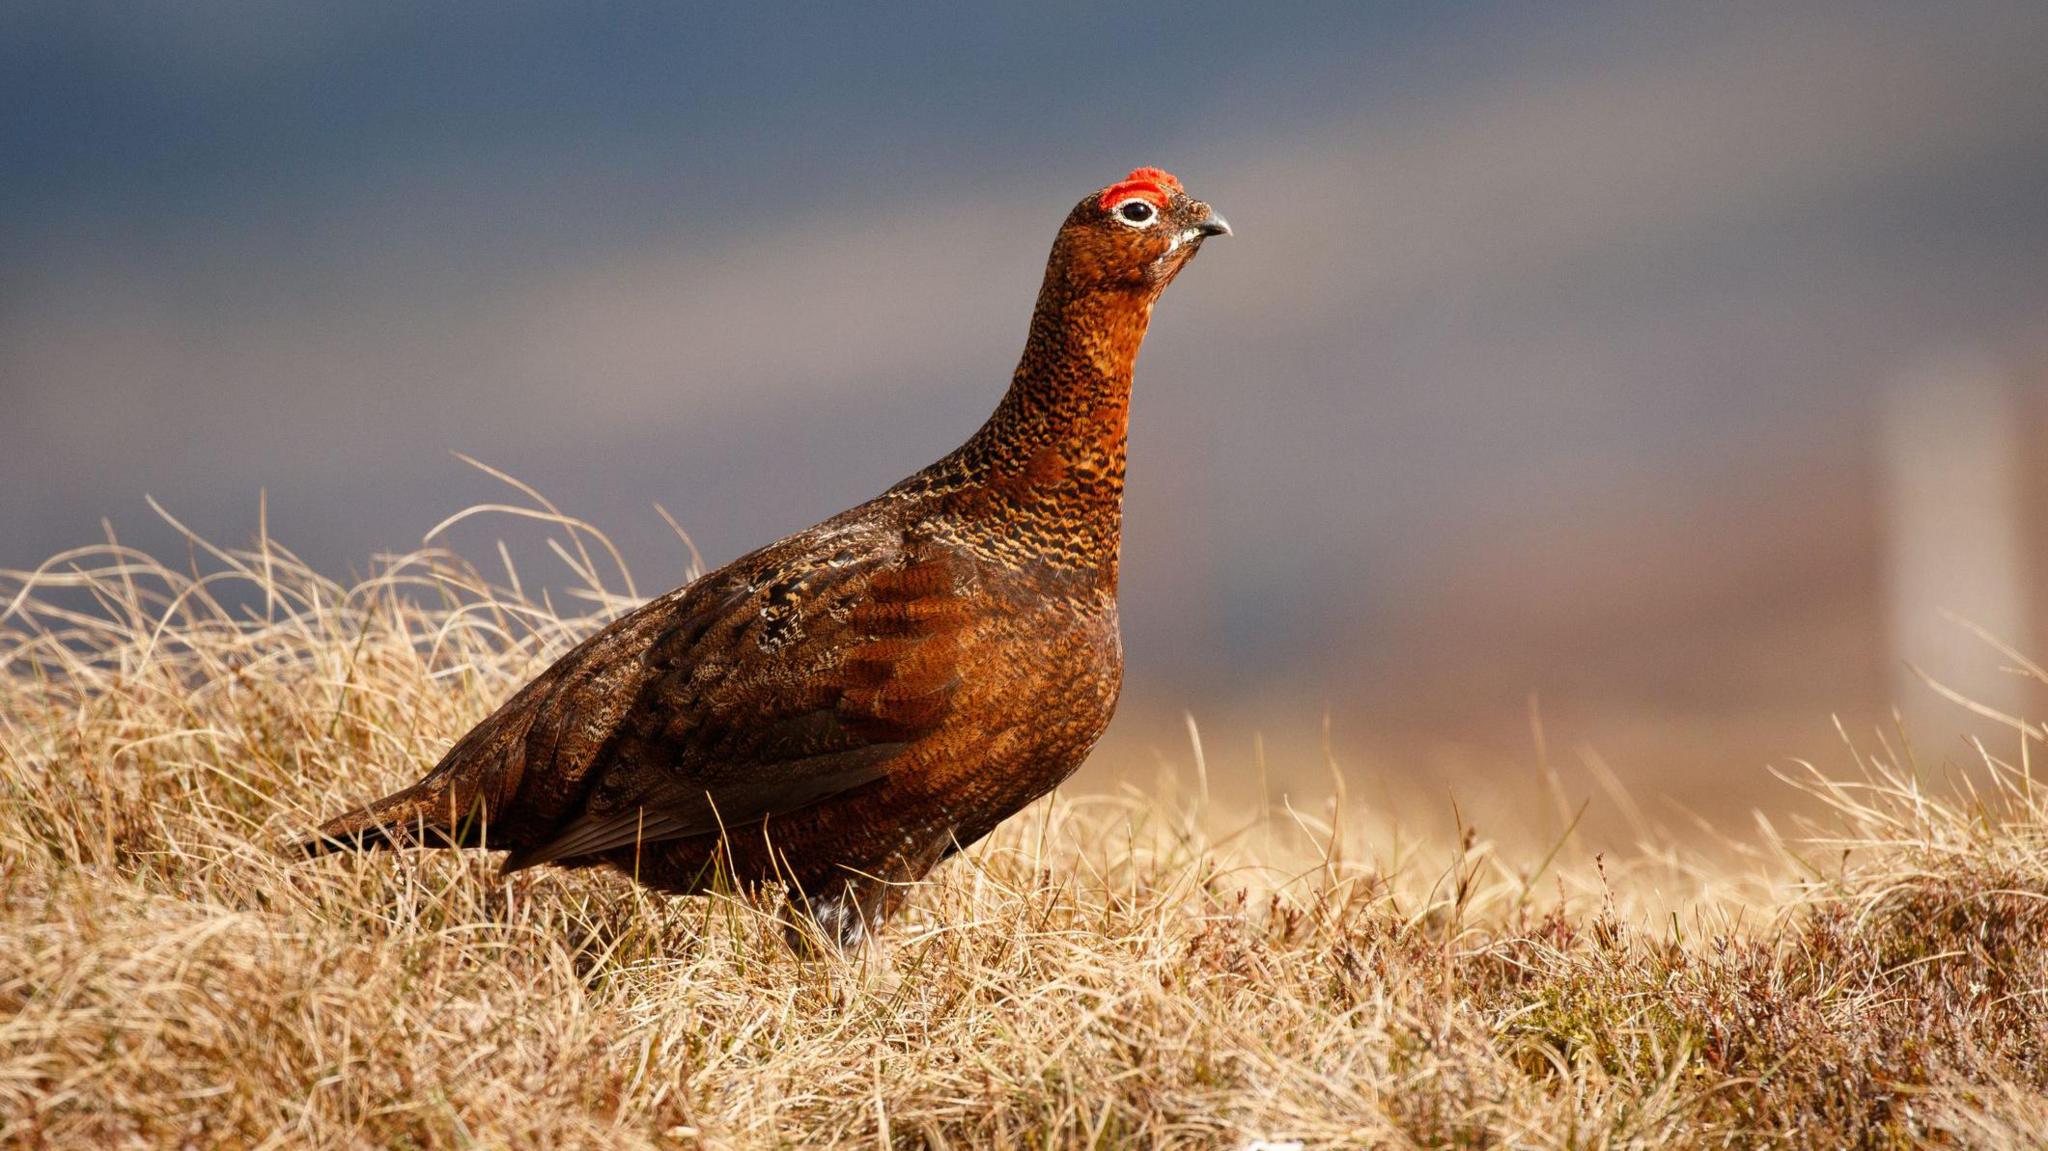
pixel 1133 236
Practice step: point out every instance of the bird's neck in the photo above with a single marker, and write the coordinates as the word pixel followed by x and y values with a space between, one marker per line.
pixel 1048 466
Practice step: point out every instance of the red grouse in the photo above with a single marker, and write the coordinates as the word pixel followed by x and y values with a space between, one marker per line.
pixel 843 709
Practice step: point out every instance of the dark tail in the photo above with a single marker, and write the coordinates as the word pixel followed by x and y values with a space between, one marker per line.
pixel 427 814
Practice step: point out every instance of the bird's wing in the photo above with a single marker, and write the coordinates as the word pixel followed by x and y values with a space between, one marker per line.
pixel 805 679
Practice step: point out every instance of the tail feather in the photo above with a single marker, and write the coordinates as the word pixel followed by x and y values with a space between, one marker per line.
pixel 426 814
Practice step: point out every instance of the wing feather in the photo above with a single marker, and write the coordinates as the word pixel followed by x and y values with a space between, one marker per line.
pixel 806 681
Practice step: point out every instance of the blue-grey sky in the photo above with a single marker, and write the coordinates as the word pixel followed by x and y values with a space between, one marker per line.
pixel 1522 297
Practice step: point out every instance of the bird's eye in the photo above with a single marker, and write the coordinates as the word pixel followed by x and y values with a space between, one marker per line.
pixel 1139 212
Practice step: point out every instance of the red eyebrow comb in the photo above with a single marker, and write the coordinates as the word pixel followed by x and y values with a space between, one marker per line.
pixel 1154 184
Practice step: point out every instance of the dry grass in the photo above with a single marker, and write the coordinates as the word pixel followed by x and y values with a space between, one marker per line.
pixel 1105 972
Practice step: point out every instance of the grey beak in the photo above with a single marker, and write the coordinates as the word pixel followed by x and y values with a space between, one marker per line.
pixel 1213 225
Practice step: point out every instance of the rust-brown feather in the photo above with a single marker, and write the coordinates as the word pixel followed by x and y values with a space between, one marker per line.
pixel 845 707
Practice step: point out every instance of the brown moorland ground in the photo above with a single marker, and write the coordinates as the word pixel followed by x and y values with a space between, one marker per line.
pixel 1129 970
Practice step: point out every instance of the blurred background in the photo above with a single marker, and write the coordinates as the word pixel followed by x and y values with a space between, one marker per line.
pixel 1625 389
